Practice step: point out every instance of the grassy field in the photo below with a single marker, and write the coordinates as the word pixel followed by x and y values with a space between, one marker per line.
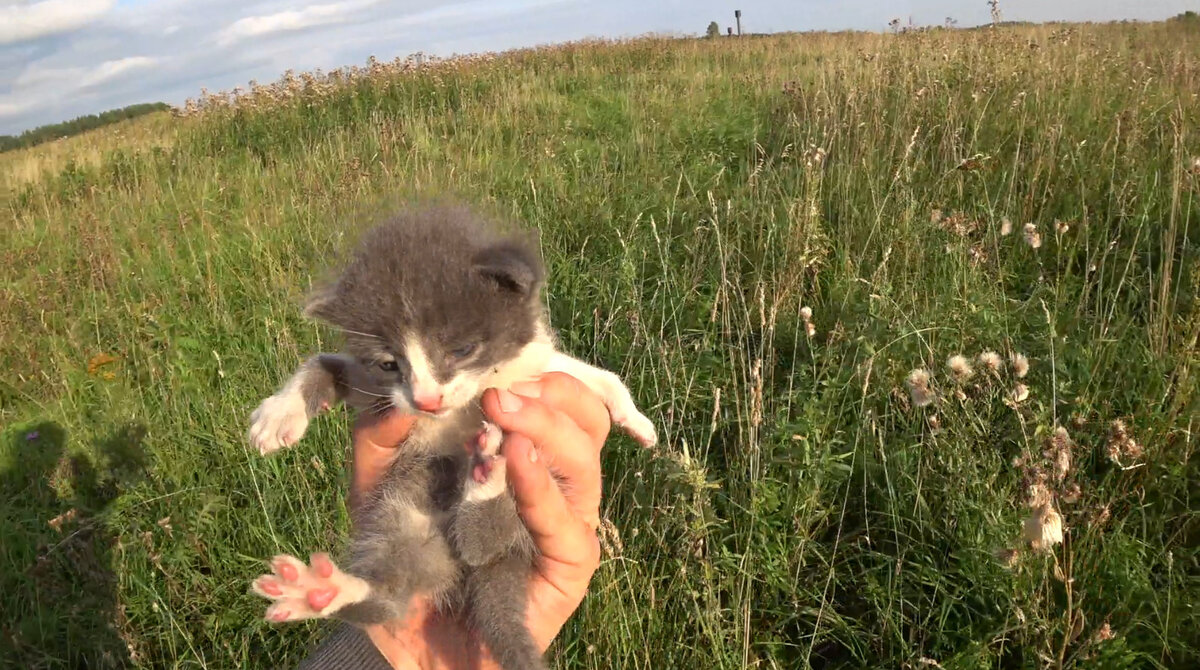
pixel 766 237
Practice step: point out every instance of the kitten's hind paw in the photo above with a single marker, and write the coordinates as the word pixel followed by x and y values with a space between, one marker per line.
pixel 307 591
pixel 279 422
pixel 489 474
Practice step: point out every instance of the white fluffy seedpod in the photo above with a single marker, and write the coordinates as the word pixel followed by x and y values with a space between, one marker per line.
pixel 1020 365
pixel 918 386
pixel 961 368
pixel 1032 237
pixel 1044 528
pixel 992 361
pixel 1020 392
pixel 1005 227
pixel 806 313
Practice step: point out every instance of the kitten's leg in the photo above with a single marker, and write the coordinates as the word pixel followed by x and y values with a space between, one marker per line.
pixel 613 391
pixel 496 602
pixel 486 522
pixel 395 559
pixel 280 420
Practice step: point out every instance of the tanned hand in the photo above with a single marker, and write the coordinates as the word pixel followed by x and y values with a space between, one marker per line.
pixel 554 431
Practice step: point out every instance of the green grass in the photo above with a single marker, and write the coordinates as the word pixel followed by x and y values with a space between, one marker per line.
pixel 801 512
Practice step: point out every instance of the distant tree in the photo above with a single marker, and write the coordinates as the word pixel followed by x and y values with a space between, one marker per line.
pixel 53 131
pixel 714 30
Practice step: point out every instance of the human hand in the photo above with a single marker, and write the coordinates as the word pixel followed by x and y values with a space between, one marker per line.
pixel 554 430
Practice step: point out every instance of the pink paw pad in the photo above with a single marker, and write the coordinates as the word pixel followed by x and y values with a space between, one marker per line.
pixel 311 591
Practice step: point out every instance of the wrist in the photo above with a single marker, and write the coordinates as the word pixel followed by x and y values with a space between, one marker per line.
pixel 428 641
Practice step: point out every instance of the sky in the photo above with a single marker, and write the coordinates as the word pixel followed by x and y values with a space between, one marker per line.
pixel 60 59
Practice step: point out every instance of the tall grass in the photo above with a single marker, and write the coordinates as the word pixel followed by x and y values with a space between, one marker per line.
pixel 693 198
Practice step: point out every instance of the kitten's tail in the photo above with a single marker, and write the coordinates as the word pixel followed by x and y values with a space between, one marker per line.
pixel 496 600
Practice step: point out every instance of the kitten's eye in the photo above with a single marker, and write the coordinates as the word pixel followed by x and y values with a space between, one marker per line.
pixel 463 351
pixel 388 366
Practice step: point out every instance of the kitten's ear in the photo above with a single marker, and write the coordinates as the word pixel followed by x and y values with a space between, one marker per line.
pixel 512 266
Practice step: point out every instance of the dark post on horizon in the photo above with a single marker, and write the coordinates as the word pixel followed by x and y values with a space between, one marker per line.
pixel 737 14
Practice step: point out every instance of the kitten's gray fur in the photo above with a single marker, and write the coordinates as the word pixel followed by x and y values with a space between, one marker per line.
pixel 438 280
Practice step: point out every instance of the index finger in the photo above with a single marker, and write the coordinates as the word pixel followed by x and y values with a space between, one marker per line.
pixel 566 394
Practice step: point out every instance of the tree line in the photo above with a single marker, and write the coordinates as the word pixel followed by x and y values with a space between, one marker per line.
pixel 53 131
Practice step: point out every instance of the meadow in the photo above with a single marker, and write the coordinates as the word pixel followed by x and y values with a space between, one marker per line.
pixel 780 242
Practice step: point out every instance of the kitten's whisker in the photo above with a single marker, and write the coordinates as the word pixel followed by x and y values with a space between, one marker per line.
pixel 365 392
pixel 355 332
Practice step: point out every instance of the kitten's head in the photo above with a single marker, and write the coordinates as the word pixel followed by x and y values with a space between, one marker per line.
pixel 432 303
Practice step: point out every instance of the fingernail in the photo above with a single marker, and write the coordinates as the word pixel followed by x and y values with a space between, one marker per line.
pixel 508 402
pixel 527 389
pixel 533 454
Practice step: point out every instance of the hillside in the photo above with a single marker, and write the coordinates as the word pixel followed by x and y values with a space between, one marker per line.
pixel 769 239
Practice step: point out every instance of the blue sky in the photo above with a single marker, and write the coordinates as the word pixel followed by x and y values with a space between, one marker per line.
pixel 64 58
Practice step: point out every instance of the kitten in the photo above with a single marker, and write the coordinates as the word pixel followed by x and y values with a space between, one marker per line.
pixel 436 306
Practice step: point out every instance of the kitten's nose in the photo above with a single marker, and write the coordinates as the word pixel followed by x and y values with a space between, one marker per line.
pixel 430 403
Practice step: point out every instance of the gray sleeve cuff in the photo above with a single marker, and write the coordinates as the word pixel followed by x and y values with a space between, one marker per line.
pixel 346 648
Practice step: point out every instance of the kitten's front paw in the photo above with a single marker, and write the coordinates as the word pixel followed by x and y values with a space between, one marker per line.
pixel 637 425
pixel 280 421
pixel 307 591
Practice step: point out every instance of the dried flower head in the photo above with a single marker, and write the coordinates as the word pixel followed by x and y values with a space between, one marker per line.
pixel 991 361
pixel 1061 227
pixel 1032 237
pixel 1195 167
pixel 1044 528
pixel 918 386
pixel 1104 634
pixel 810 329
pixel 961 368
pixel 935 216
pixel 1008 557
pixel 1072 493
pixel 1019 393
pixel 1037 494
pixel 1020 365
pixel 1058 451
pixel 1121 444
pixel 806 313
pixel 1005 227
pixel 1060 439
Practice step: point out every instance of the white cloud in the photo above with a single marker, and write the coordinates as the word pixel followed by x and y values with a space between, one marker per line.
pixel 11 108
pixel 20 22
pixel 112 69
pixel 313 15
pixel 40 87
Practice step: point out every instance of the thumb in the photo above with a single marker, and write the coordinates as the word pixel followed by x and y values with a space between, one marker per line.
pixel 385 430
pixel 554 527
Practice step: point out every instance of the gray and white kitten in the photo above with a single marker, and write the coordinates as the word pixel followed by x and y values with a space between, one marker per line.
pixel 436 306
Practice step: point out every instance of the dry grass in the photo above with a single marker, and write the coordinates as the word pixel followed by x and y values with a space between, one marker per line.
pixel 745 229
